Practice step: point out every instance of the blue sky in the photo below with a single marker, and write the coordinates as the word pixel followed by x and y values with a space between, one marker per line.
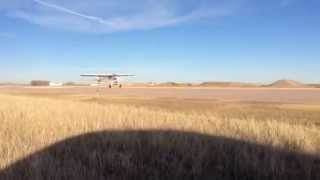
pixel 161 40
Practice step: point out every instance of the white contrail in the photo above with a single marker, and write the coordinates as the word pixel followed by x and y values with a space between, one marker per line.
pixel 69 11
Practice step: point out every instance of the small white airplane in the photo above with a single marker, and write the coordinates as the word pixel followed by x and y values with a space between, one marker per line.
pixel 110 79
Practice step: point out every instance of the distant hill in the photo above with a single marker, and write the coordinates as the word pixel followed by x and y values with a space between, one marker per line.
pixel 314 85
pixel 278 84
pixel 174 84
pixel 227 84
pixel 287 84
pixel 12 84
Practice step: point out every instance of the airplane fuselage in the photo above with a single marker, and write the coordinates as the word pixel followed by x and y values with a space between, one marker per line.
pixel 110 80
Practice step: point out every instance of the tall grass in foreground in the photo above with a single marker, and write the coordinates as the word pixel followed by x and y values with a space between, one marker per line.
pixel 29 124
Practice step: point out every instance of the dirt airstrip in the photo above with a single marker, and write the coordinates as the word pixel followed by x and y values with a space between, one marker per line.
pixel 269 95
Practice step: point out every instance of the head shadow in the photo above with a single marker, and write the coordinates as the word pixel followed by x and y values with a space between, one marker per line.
pixel 161 154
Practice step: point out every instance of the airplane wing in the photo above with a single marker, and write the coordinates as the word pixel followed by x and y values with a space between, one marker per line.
pixel 96 75
pixel 106 75
pixel 123 75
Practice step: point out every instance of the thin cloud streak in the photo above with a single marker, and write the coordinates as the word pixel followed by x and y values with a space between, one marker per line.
pixel 144 21
pixel 94 17
pixel 69 11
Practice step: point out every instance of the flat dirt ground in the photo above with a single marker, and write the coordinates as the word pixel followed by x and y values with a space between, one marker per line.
pixel 275 95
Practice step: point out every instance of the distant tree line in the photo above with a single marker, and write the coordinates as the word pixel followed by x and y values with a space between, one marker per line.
pixel 40 83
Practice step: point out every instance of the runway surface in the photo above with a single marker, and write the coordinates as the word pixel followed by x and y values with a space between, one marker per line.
pixel 301 96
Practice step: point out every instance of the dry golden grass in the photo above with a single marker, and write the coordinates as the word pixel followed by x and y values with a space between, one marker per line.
pixel 30 124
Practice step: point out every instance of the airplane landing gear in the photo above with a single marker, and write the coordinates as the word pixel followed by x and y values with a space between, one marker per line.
pixel 110 86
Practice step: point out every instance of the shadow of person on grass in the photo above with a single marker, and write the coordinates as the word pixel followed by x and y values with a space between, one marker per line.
pixel 161 155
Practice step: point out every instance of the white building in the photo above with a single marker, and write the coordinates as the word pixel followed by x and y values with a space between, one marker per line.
pixel 55 84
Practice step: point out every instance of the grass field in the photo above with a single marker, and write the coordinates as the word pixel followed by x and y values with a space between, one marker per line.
pixel 57 134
